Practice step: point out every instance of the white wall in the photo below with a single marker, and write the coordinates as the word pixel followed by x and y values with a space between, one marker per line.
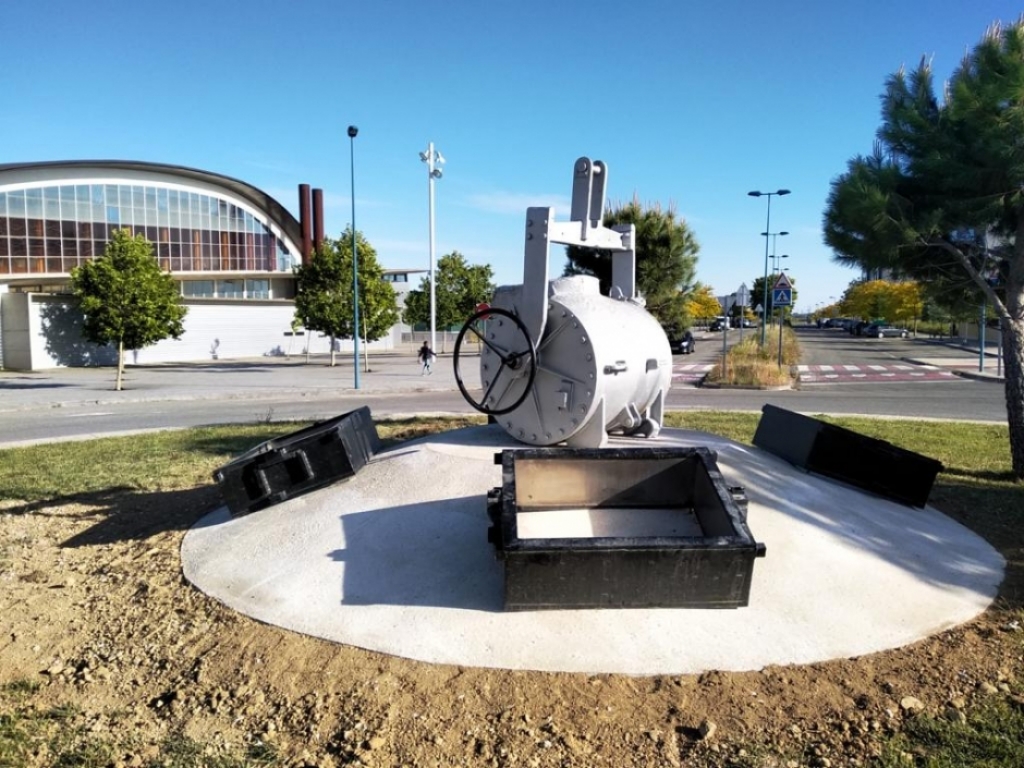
pixel 42 332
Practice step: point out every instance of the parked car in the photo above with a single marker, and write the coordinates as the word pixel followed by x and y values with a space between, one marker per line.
pixel 720 324
pixel 682 345
pixel 883 330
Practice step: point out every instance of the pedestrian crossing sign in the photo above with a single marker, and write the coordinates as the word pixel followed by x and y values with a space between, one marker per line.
pixel 782 292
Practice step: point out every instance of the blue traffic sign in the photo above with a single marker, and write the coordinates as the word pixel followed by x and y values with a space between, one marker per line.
pixel 782 297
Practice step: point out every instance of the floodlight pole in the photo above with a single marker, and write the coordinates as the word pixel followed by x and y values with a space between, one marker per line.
pixel 353 131
pixel 432 157
pixel 767 230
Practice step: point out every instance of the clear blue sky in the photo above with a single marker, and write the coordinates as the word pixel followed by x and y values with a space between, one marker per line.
pixel 689 103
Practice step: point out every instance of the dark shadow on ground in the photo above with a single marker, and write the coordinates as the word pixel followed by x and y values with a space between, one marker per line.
pixel 128 514
pixel 32 385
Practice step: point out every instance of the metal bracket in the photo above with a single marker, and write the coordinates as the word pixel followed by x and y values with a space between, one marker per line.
pixel 585 229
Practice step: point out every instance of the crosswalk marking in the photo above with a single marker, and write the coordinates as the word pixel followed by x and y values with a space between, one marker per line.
pixel 694 373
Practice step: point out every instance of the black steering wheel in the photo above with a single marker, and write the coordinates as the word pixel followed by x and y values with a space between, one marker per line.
pixel 520 359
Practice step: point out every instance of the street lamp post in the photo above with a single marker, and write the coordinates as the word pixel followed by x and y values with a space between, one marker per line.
pixel 432 158
pixel 767 229
pixel 353 131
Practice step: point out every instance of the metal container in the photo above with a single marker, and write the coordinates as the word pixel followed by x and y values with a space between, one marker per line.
pixel 610 528
pixel 298 462
pixel 602 363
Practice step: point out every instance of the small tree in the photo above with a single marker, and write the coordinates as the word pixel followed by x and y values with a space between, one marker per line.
pixel 323 300
pixel 460 287
pixel 126 299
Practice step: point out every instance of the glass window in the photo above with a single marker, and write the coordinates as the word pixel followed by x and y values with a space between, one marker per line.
pixel 18 228
pixel 257 289
pixel 51 202
pixel 16 204
pixel 3 227
pixel 123 196
pixel 112 215
pixel 197 288
pixel 231 289
pixel 3 204
pixel 34 203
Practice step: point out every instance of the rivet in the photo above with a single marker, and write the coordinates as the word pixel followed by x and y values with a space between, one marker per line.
pixel 583 339
pixel 589 357
pixel 533 437
pixel 529 235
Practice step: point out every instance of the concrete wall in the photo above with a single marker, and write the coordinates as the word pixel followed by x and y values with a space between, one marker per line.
pixel 42 332
pixel 16 333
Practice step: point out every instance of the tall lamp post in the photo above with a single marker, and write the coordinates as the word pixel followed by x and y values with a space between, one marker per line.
pixel 353 131
pixel 767 230
pixel 432 158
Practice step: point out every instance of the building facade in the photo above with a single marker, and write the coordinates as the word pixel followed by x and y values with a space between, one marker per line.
pixel 231 247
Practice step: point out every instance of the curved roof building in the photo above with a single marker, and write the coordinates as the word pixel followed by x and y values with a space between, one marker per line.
pixel 55 215
pixel 230 246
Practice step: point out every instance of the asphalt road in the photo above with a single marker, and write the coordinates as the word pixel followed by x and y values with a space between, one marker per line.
pixel 956 398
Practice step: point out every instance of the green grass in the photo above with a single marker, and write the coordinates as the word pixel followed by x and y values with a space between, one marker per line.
pixel 975 486
pixel 992 737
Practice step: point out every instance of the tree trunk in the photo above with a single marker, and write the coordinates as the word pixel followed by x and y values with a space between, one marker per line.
pixel 332 352
pixel 120 365
pixel 1013 370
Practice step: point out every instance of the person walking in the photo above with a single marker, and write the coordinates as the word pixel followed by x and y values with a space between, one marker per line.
pixel 426 356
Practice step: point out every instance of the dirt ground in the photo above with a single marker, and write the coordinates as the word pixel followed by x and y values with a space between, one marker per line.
pixel 94 608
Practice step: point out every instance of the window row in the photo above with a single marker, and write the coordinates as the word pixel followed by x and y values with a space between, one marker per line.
pixel 127 204
pixel 190 250
pixel 226 289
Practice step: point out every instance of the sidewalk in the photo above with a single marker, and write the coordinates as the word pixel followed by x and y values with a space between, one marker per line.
pixel 961 357
pixel 256 378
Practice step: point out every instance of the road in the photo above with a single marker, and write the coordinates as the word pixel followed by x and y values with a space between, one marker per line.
pixel 953 398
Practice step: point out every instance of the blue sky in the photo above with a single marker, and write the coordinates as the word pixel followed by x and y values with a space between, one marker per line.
pixel 691 104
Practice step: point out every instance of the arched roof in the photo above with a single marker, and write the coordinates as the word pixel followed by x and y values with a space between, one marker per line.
pixel 247 192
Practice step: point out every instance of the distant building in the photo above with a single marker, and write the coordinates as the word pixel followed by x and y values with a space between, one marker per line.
pixel 231 247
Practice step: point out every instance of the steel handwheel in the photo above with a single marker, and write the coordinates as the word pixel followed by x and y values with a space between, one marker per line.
pixel 515 351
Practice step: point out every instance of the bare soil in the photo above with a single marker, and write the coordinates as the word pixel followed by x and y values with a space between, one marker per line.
pixel 94 608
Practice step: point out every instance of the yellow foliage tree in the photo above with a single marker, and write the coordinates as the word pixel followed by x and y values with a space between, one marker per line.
pixel 702 304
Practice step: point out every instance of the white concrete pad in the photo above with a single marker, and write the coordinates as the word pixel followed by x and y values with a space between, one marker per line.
pixel 396 560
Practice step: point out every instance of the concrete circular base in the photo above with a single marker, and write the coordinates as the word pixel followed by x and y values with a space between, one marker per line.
pixel 396 560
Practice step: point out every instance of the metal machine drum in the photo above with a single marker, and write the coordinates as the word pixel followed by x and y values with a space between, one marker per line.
pixel 602 365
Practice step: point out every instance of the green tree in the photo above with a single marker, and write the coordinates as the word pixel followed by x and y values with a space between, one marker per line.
pixel 323 300
pixel 666 259
pixel 126 299
pixel 757 295
pixel 460 287
pixel 941 199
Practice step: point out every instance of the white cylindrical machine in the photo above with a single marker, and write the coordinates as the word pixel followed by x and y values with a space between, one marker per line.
pixel 602 365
